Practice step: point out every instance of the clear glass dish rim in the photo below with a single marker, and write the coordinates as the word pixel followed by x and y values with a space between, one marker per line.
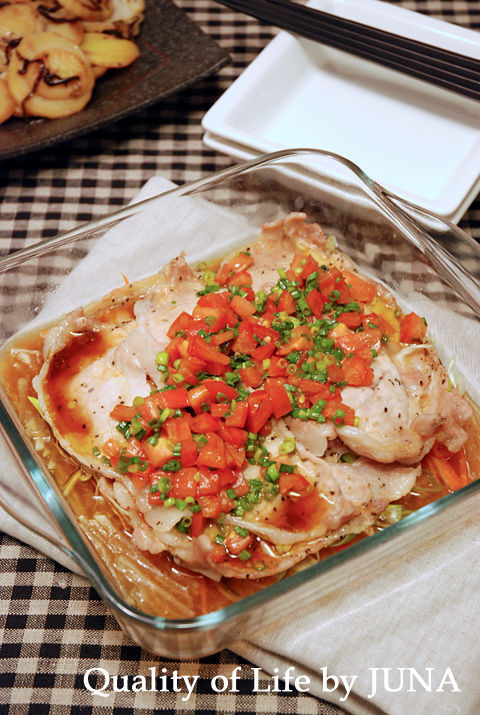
pixel 69 529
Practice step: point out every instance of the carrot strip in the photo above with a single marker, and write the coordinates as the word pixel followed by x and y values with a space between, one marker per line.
pixel 445 472
pixel 461 467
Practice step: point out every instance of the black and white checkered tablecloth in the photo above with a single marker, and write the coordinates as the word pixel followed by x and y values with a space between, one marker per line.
pixel 53 625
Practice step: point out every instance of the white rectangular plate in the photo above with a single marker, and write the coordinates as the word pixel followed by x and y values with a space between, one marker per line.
pixel 419 141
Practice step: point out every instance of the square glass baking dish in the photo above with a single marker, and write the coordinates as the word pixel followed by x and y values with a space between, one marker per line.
pixel 426 262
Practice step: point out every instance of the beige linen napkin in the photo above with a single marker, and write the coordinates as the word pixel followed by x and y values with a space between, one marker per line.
pixel 419 612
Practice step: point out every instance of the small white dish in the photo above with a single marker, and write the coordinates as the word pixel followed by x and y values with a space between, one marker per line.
pixel 420 141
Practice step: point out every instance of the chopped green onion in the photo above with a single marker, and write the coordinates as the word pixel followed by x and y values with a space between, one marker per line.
pixel 34 401
pixel 244 555
pixel 272 473
pixel 172 466
pixel 331 243
pixel 241 531
pixel 161 358
pixel 348 457
pixel 288 445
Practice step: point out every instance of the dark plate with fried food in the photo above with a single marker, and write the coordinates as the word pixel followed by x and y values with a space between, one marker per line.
pixel 173 54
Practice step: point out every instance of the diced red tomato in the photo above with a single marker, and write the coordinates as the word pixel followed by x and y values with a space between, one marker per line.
pixel 357 372
pixel 173 348
pixel 310 266
pixel 178 429
pixel 149 410
pixel 241 486
pixel 251 376
pixel 361 344
pixel 239 416
pixel 205 422
pixel 226 477
pixel 218 300
pixel 351 320
pixel 209 483
pixel 243 278
pixel 361 291
pixel 237 265
pixel 412 328
pixel 315 302
pixel 383 325
pixel 198 396
pixel 213 453
pixel 278 367
pixel 287 304
pixel 223 337
pixel 218 409
pixel 264 351
pixel 217 554
pixel 216 318
pixel 219 390
pixel 198 521
pixel 242 307
pixel 183 483
pixel 198 347
pixel 335 373
pixel 292 483
pixel 233 435
pixel 183 322
pixel 188 453
pixel 260 408
pixel 173 399
pixel 236 543
pixel 279 396
pixel 348 417
pixel 333 281
pixel 300 339
pixel 123 412
pixel 264 332
pixel 158 454
pixel 211 509
pixel 214 368
pixel 245 341
pixel 265 430
pixel 234 456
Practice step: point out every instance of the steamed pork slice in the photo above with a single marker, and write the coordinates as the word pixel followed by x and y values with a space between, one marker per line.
pixel 153 527
pixel 175 292
pixel 276 247
pixel 439 410
pixel 385 413
pixel 86 372
pixel 344 498
pixel 311 438
pixel 407 406
pixel 90 366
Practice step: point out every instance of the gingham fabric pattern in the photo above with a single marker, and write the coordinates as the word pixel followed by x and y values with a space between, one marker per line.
pixel 54 627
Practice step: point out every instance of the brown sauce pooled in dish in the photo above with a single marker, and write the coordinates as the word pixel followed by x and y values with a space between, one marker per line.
pixel 82 350
pixel 298 513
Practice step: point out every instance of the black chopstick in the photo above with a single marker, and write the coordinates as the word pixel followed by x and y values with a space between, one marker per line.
pixel 447 69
